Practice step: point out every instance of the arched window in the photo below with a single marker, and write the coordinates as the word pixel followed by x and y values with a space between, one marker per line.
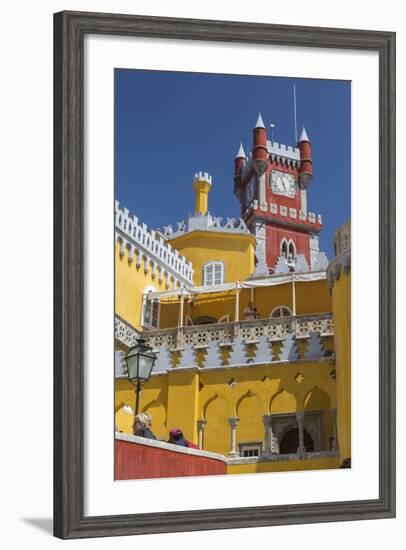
pixel 281 311
pixel 150 310
pixel 213 274
pixel 291 251
pixel 284 248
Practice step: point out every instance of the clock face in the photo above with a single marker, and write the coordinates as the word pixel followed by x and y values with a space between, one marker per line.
pixel 283 184
pixel 250 192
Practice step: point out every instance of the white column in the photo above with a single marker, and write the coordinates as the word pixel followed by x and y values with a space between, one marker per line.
pixel 333 413
pixel 267 420
pixel 300 420
pixel 293 295
pixel 200 432
pixel 293 322
pixel 237 302
pixel 181 310
pixel 233 421
pixel 237 308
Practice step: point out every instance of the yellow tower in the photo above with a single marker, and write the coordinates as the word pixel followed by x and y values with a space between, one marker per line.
pixel 202 186
pixel 339 283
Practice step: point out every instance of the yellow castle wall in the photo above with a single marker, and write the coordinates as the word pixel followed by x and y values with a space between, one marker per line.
pixel 188 396
pixel 341 293
pixel 235 250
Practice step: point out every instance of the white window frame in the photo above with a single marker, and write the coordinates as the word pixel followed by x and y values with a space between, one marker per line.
pixel 213 266
pixel 280 308
pixel 144 323
pixel 250 446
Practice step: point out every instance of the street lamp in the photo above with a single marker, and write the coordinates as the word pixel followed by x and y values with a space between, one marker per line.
pixel 140 361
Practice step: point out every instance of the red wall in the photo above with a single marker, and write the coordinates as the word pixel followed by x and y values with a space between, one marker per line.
pixel 274 236
pixel 137 461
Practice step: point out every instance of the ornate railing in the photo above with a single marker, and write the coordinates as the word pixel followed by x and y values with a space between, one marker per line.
pixel 249 331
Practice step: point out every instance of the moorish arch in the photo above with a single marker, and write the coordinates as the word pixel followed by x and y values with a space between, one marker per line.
pixel 158 413
pixel 316 399
pixel 216 413
pixel 249 410
pixel 283 402
pixel 318 420
pixel 124 418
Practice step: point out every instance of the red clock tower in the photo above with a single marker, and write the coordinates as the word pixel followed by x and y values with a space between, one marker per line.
pixel 271 185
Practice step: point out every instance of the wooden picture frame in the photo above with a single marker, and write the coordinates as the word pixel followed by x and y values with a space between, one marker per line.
pixel 69 518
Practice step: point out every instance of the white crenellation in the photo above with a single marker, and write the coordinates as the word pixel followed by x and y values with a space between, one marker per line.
pixel 314 249
pixel 203 176
pixel 320 262
pixel 206 222
pixel 301 265
pixel 284 153
pixel 293 213
pixel 282 265
pixel 149 246
pixel 283 210
pixel 261 268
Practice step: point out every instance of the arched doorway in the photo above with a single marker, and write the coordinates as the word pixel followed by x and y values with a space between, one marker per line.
pixel 290 442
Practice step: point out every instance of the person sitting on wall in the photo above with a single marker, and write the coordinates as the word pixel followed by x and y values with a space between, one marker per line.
pixel 142 426
pixel 250 312
pixel 176 438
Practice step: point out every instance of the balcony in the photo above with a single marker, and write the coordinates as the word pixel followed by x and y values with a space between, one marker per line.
pixel 250 332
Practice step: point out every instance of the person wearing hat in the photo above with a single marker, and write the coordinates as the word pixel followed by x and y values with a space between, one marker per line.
pixel 176 438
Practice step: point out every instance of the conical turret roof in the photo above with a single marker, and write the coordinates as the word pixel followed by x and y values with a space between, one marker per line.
pixel 303 135
pixel 260 122
pixel 241 153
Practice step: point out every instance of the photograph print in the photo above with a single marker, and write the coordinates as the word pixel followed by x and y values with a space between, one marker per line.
pixel 232 254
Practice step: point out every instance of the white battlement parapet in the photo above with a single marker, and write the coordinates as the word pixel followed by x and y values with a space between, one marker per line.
pixel 203 176
pixel 150 245
pixel 206 222
pixel 283 150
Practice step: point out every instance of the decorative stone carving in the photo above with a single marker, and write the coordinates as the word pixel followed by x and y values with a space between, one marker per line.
pixel 201 424
pixel 151 245
pixel 206 222
pixel 120 366
pixel 213 357
pixel 315 349
pixel 163 360
pixel 188 357
pixel 289 350
pixel 313 424
pixel 282 265
pixel 320 262
pixel 124 333
pixel 263 352
pixel 274 329
pixel 342 249
pixel 301 265
pixel 238 354
pixel 233 422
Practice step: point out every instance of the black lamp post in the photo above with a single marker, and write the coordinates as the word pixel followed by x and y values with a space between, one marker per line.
pixel 140 361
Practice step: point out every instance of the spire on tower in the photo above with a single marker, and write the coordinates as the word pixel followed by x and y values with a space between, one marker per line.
pixel 241 153
pixel 260 122
pixel 303 136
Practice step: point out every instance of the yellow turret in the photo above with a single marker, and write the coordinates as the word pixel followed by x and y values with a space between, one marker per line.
pixel 202 186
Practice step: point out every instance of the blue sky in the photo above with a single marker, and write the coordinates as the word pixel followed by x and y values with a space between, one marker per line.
pixel 169 125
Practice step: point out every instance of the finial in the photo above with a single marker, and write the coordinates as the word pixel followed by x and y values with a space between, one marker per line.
pixel 260 122
pixel 303 136
pixel 241 152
